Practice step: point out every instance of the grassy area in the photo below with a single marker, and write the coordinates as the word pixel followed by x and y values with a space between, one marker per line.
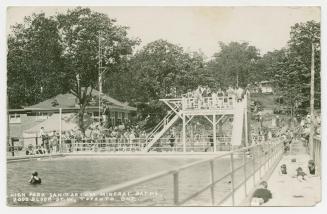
pixel 267 100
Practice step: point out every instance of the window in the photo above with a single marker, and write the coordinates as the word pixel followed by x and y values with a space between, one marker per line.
pixel 14 118
pixel 41 116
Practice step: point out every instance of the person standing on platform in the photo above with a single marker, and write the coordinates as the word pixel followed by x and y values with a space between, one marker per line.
pixel 214 100
pixel 53 142
pixel 43 135
pixel 172 141
pixel 239 94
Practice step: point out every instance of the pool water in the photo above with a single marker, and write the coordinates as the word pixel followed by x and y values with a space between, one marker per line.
pixel 81 174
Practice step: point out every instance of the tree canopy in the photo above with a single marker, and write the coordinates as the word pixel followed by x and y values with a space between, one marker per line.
pixel 35 63
pixel 51 55
pixel 292 70
pixel 159 70
pixel 48 55
pixel 234 64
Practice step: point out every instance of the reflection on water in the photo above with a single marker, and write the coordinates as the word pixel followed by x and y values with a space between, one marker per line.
pixel 80 174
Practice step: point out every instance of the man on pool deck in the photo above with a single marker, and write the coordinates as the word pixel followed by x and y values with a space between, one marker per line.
pixel 35 179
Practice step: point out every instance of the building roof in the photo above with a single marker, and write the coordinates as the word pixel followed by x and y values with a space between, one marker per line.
pixel 68 101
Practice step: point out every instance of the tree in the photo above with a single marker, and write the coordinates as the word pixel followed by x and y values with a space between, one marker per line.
pixel 81 32
pixel 268 62
pixel 234 64
pixel 301 37
pixel 57 54
pixel 159 70
pixel 34 61
pixel 292 73
pixel 162 69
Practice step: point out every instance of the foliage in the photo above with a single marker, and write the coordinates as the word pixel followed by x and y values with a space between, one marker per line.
pixel 234 63
pixel 81 31
pixel 292 72
pixel 57 54
pixel 50 55
pixel 269 61
pixel 162 69
pixel 34 61
pixel 159 70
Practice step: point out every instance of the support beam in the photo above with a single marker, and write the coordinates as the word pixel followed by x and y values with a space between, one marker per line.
pixel 222 116
pixel 177 111
pixel 189 119
pixel 60 129
pixel 184 133
pixel 246 123
pixel 214 133
pixel 208 118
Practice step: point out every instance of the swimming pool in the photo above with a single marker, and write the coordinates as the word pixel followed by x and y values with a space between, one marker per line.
pixel 90 173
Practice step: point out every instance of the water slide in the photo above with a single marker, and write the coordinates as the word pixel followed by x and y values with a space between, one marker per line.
pixel 238 123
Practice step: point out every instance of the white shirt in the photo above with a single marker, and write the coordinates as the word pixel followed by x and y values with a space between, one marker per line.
pixel 42 133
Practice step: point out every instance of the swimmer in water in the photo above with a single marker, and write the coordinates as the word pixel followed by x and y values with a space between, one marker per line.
pixel 35 179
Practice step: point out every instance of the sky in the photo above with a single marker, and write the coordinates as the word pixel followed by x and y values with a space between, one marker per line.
pixel 198 28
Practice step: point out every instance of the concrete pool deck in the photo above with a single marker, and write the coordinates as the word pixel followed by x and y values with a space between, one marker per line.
pixel 33 157
pixel 288 190
pixel 120 155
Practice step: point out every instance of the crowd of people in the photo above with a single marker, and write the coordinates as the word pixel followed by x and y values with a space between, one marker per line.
pixel 94 134
pixel 204 97
pixel 49 144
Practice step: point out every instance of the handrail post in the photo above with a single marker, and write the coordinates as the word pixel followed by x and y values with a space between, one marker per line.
pixel 275 152
pixel 260 162
pixel 176 188
pixel 244 170
pixel 13 147
pixel 232 178
pixel 265 159
pixel 212 183
pixel 270 154
pixel 73 145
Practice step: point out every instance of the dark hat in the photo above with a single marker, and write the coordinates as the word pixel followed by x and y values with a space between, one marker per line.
pixel 34 173
pixel 311 162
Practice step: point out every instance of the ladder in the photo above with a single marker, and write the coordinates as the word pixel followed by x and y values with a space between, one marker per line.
pixel 160 129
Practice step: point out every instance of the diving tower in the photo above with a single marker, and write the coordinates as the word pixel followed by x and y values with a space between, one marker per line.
pixel 216 109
